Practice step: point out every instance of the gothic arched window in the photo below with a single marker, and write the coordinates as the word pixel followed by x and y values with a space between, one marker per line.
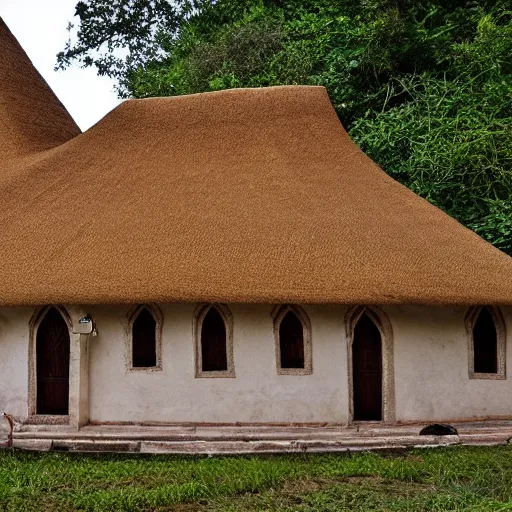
pixel 292 331
pixel 486 330
pixel 213 341
pixel 145 328
pixel 291 341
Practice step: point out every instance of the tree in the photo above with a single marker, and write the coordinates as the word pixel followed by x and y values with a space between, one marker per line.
pixel 116 36
pixel 424 87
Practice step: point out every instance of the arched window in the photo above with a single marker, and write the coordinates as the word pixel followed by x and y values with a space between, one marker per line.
pixel 145 328
pixel 213 341
pixel 292 331
pixel 214 356
pixel 487 343
pixel 291 341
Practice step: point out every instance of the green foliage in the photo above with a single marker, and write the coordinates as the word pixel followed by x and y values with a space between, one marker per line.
pixel 425 88
pixel 116 36
pixel 451 142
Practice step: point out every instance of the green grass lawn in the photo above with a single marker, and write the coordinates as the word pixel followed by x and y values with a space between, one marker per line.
pixel 457 478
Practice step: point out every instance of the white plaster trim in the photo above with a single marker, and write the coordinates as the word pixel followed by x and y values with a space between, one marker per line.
pixel 501 342
pixel 128 320
pixel 197 323
pixel 382 323
pixel 34 323
pixel 278 313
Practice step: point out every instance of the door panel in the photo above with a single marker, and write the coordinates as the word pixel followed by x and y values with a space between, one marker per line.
pixel 367 371
pixel 52 366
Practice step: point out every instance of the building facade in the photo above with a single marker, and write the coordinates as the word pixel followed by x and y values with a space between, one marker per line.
pixel 231 257
pixel 426 362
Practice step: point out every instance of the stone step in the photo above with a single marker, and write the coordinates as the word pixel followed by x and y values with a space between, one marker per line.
pixel 213 434
pixel 242 446
pixel 185 437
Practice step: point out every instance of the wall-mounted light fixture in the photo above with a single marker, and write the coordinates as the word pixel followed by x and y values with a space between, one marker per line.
pixel 85 326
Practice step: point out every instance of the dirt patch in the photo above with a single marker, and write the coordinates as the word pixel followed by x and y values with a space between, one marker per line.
pixel 182 507
pixel 308 485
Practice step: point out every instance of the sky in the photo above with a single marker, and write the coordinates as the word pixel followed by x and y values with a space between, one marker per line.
pixel 40 27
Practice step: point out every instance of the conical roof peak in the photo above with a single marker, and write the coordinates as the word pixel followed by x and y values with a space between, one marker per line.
pixel 32 119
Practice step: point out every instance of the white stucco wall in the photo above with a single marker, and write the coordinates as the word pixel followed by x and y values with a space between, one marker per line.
pixel 257 394
pixel 430 369
pixel 14 334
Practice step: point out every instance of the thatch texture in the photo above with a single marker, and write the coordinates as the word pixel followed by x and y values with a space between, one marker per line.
pixel 238 196
pixel 31 117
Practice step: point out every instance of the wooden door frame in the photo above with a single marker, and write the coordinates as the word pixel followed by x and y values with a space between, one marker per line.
pixel 34 324
pixel 383 324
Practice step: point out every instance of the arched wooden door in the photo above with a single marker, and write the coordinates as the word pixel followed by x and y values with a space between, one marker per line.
pixel 367 371
pixel 52 364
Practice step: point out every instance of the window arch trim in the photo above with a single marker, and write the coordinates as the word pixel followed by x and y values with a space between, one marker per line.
pixel 278 314
pixel 501 342
pixel 130 317
pixel 381 321
pixel 197 323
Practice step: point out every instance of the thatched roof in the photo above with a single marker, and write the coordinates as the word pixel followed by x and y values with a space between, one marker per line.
pixel 254 195
pixel 31 117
